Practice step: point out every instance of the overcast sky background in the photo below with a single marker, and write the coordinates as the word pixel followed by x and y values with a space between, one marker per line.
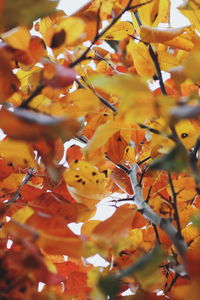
pixel 177 20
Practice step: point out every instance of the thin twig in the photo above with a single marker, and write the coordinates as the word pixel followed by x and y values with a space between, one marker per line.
pixel 102 100
pixel 154 57
pixel 24 181
pixel 99 35
pixel 174 197
pixel 172 282
pixel 156 234
pixel 37 91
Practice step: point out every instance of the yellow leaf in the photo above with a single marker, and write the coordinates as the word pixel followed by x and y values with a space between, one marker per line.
pixel 86 181
pixel 22 214
pixel 190 233
pixel 141 58
pixel 161 14
pixel 191 67
pixel 119 31
pixel 180 42
pixel 134 106
pixel 167 60
pixel 193 15
pixel 46 29
pixel 120 85
pixel 12 182
pixel 159 35
pixel 19 153
pixel 83 101
pixel 100 137
pixel 153 13
pixel 187 133
pixel 73 27
pixel 18 38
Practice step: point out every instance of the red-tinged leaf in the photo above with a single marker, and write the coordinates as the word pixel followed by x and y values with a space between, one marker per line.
pixel 53 205
pixel 122 180
pixel 192 261
pixel 55 237
pixel 66 268
pixel 57 76
pixel 116 146
pixel 62 190
pixel 139 221
pixel 52 225
pixel 73 153
pixel 29 192
pixel 76 284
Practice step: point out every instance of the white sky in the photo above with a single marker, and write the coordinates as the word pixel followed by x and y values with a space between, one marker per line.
pixel 177 19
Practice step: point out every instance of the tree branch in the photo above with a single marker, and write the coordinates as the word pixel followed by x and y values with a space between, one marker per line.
pixel 165 224
pixel 37 91
pixel 154 57
pixel 99 35
pixel 176 214
pixel 24 181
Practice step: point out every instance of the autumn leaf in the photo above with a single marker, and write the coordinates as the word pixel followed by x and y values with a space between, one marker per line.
pixel 159 35
pixel 31 126
pixel 18 153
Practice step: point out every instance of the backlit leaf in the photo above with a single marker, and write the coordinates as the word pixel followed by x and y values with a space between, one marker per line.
pixel 67 24
pixel 117 226
pixel 141 58
pixel 18 38
pixel 86 181
pixel 159 35
pixel 18 153
pixel 119 31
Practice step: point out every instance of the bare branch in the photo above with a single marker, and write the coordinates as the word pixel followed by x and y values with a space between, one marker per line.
pixel 165 224
pixel 176 214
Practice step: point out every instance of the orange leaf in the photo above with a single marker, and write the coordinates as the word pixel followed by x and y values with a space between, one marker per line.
pixel 31 126
pixel 117 226
pixel 73 153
